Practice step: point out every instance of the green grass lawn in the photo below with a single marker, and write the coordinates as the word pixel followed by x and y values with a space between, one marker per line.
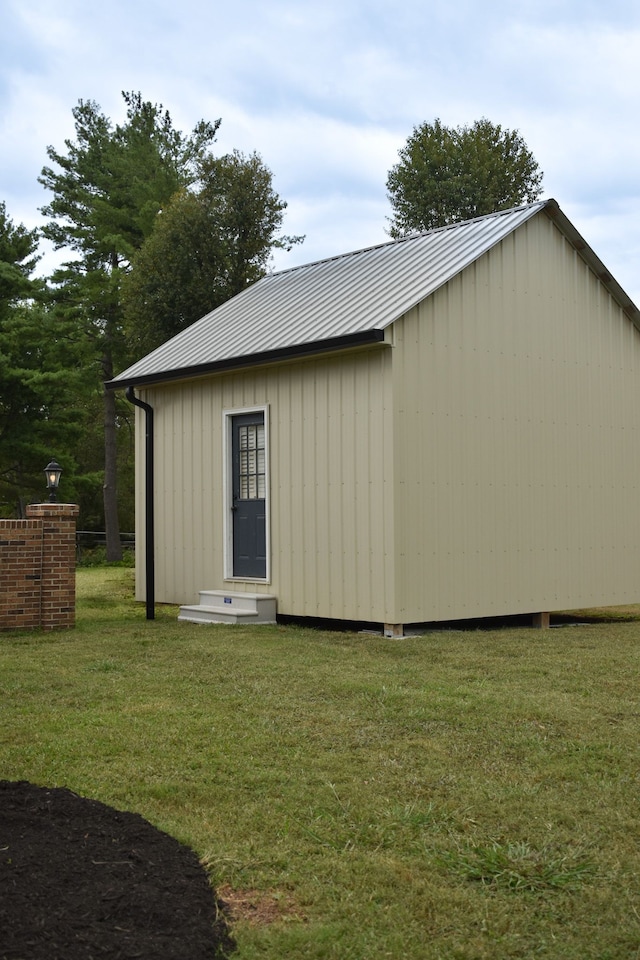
pixel 456 795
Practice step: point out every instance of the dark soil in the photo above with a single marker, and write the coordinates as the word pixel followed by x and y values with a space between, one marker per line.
pixel 80 880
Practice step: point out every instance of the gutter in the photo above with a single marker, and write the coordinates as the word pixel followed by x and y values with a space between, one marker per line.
pixel 298 351
pixel 148 500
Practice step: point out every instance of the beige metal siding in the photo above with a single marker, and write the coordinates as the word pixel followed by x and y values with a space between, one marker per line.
pixel 485 464
pixel 331 474
pixel 187 440
pixel 517 438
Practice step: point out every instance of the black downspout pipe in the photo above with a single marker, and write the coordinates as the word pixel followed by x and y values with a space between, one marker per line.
pixel 148 500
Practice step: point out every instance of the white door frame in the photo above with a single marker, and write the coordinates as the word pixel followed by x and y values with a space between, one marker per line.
pixel 227 491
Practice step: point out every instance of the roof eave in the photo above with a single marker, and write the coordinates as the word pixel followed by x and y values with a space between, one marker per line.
pixel 301 350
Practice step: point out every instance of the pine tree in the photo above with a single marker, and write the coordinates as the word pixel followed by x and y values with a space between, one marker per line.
pixel 107 191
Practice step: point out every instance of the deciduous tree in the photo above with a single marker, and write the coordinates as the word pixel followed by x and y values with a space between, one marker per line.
pixel 447 174
pixel 208 244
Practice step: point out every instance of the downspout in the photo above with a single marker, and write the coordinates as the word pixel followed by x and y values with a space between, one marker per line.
pixel 148 501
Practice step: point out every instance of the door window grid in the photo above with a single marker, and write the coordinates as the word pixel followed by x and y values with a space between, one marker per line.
pixel 252 462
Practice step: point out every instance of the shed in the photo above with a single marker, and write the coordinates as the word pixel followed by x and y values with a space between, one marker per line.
pixel 437 428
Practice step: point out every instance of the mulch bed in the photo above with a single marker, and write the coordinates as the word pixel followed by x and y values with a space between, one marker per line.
pixel 80 880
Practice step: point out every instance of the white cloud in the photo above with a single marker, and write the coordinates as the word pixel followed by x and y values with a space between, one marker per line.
pixel 327 93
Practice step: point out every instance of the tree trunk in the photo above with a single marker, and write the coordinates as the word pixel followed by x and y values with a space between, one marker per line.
pixel 110 491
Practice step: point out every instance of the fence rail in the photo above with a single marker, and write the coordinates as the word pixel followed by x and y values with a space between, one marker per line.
pixel 90 539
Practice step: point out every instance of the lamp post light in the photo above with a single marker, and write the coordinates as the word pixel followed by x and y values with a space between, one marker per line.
pixel 52 472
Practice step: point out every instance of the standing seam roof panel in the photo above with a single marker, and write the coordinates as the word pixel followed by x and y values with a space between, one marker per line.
pixel 346 295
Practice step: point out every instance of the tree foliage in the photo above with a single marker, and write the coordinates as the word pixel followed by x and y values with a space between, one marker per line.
pixel 113 180
pixel 18 259
pixel 39 416
pixel 448 174
pixel 208 244
pixel 107 190
pixel 197 229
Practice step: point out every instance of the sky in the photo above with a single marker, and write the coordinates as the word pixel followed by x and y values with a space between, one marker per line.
pixel 328 93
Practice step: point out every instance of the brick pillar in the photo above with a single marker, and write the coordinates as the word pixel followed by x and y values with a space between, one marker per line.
pixel 58 598
pixel 20 567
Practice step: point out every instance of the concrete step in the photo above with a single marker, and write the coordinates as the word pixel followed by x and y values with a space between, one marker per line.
pixel 201 613
pixel 220 606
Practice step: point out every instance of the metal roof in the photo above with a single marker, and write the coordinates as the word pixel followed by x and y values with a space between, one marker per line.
pixel 343 300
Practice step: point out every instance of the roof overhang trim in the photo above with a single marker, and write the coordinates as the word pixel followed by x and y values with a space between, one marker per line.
pixel 592 260
pixel 365 338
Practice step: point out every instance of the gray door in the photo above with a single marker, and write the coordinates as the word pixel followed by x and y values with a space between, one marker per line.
pixel 249 495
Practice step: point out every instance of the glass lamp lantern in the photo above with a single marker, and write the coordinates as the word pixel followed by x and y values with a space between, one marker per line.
pixel 52 472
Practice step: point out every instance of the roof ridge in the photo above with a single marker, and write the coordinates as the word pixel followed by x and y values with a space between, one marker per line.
pixel 416 235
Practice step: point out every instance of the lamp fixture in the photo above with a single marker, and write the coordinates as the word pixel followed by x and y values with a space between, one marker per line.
pixel 52 471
